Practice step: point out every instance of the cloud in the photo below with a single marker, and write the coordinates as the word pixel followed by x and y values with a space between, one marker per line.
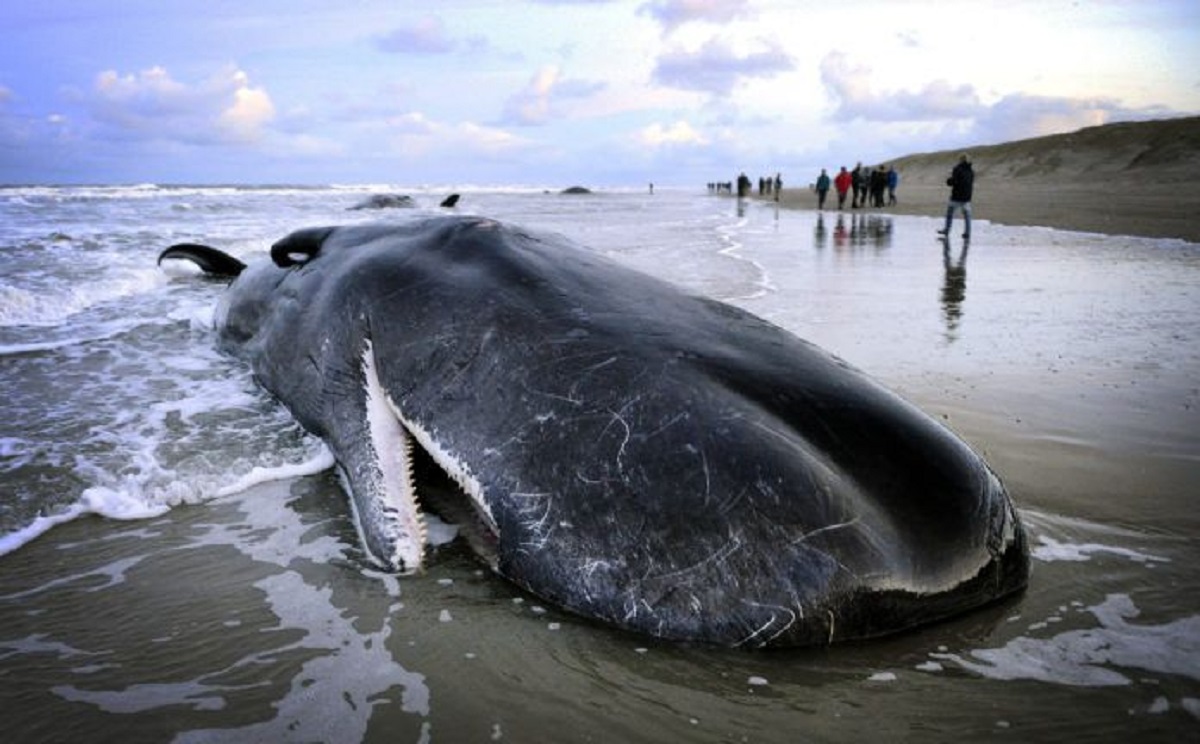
pixel 680 133
pixel 426 35
pixel 850 87
pixel 415 135
pixel 715 68
pixel 250 112
pixel 674 13
pixel 1018 116
pixel 151 105
pixel 959 112
pixel 540 100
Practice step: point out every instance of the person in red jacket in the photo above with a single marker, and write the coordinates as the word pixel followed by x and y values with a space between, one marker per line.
pixel 841 182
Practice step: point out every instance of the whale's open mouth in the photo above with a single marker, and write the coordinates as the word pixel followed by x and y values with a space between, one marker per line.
pixel 388 510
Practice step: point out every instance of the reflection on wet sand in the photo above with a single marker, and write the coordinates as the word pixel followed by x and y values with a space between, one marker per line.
pixel 864 230
pixel 954 288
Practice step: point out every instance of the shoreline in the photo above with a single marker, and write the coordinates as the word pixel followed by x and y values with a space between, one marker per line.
pixel 1150 211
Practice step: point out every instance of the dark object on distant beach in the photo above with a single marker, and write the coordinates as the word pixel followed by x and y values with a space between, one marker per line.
pixel 385 201
pixel 449 201
pixel 662 462
pixel 576 190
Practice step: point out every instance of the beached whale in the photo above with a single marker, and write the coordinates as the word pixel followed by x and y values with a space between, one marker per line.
pixel 398 201
pixel 654 460
pixel 385 201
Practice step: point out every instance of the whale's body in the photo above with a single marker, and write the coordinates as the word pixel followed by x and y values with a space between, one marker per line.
pixel 651 459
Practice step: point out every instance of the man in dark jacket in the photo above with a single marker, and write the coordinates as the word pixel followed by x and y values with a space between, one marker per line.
pixel 962 184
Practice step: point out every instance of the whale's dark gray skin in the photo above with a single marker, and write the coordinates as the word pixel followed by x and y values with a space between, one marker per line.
pixel 654 460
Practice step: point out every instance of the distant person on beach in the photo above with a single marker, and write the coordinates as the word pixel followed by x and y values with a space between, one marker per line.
pixel 841 182
pixel 858 184
pixel 743 185
pixel 822 188
pixel 962 186
pixel 893 180
pixel 778 185
pixel 878 185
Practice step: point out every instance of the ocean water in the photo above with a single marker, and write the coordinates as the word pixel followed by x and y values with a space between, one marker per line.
pixel 177 561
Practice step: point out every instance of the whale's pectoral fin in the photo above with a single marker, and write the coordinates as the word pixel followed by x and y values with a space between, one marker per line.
pixel 375 453
pixel 213 261
pixel 449 201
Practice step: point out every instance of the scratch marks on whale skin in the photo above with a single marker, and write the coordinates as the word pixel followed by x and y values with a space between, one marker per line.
pixel 565 369
pixel 826 529
pixel 781 619
pixel 534 511
pixel 699 452
pixel 618 417
pixel 677 418
pixel 637 599
pixel 720 555
pixel 467 359
pixel 568 399
pixel 634 606
pixel 730 502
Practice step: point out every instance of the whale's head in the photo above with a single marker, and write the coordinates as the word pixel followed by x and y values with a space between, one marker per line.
pixel 306 321
pixel 647 458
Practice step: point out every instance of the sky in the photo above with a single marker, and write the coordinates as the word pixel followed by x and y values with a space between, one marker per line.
pixel 601 93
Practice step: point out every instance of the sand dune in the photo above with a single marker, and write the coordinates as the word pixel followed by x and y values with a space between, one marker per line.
pixel 1132 178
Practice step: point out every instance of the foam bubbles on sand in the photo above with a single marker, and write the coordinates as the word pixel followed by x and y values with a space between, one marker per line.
pixel 1093 657
pixel 1049 550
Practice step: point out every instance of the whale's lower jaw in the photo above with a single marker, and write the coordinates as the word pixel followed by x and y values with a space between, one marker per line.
pixel 383 496
pixel 383 491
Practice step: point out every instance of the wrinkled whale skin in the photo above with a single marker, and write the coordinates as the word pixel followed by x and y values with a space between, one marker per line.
pixel 657 461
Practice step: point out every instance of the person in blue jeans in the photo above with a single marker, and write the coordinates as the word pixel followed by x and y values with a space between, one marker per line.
pixel 962 184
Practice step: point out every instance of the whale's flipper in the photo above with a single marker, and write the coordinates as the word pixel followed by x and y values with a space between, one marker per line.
pixel 213 261
pixel 449 201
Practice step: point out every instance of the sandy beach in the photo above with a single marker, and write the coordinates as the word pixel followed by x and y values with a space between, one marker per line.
pixel 1119 179
pixel 1152 211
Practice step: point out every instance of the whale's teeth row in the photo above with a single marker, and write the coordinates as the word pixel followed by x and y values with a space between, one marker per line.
pixel 389 516
pixel 454 467
pixel 410 481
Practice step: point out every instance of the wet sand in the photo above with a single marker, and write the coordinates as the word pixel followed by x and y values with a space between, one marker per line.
pixel 1147 210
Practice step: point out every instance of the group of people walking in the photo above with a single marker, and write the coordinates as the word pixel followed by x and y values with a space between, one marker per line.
pixel 767 186
pixel 867 186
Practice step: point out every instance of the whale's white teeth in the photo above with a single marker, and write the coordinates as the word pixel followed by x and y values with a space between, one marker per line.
pixel 382 484
pixel 384 497
pixel 452 466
